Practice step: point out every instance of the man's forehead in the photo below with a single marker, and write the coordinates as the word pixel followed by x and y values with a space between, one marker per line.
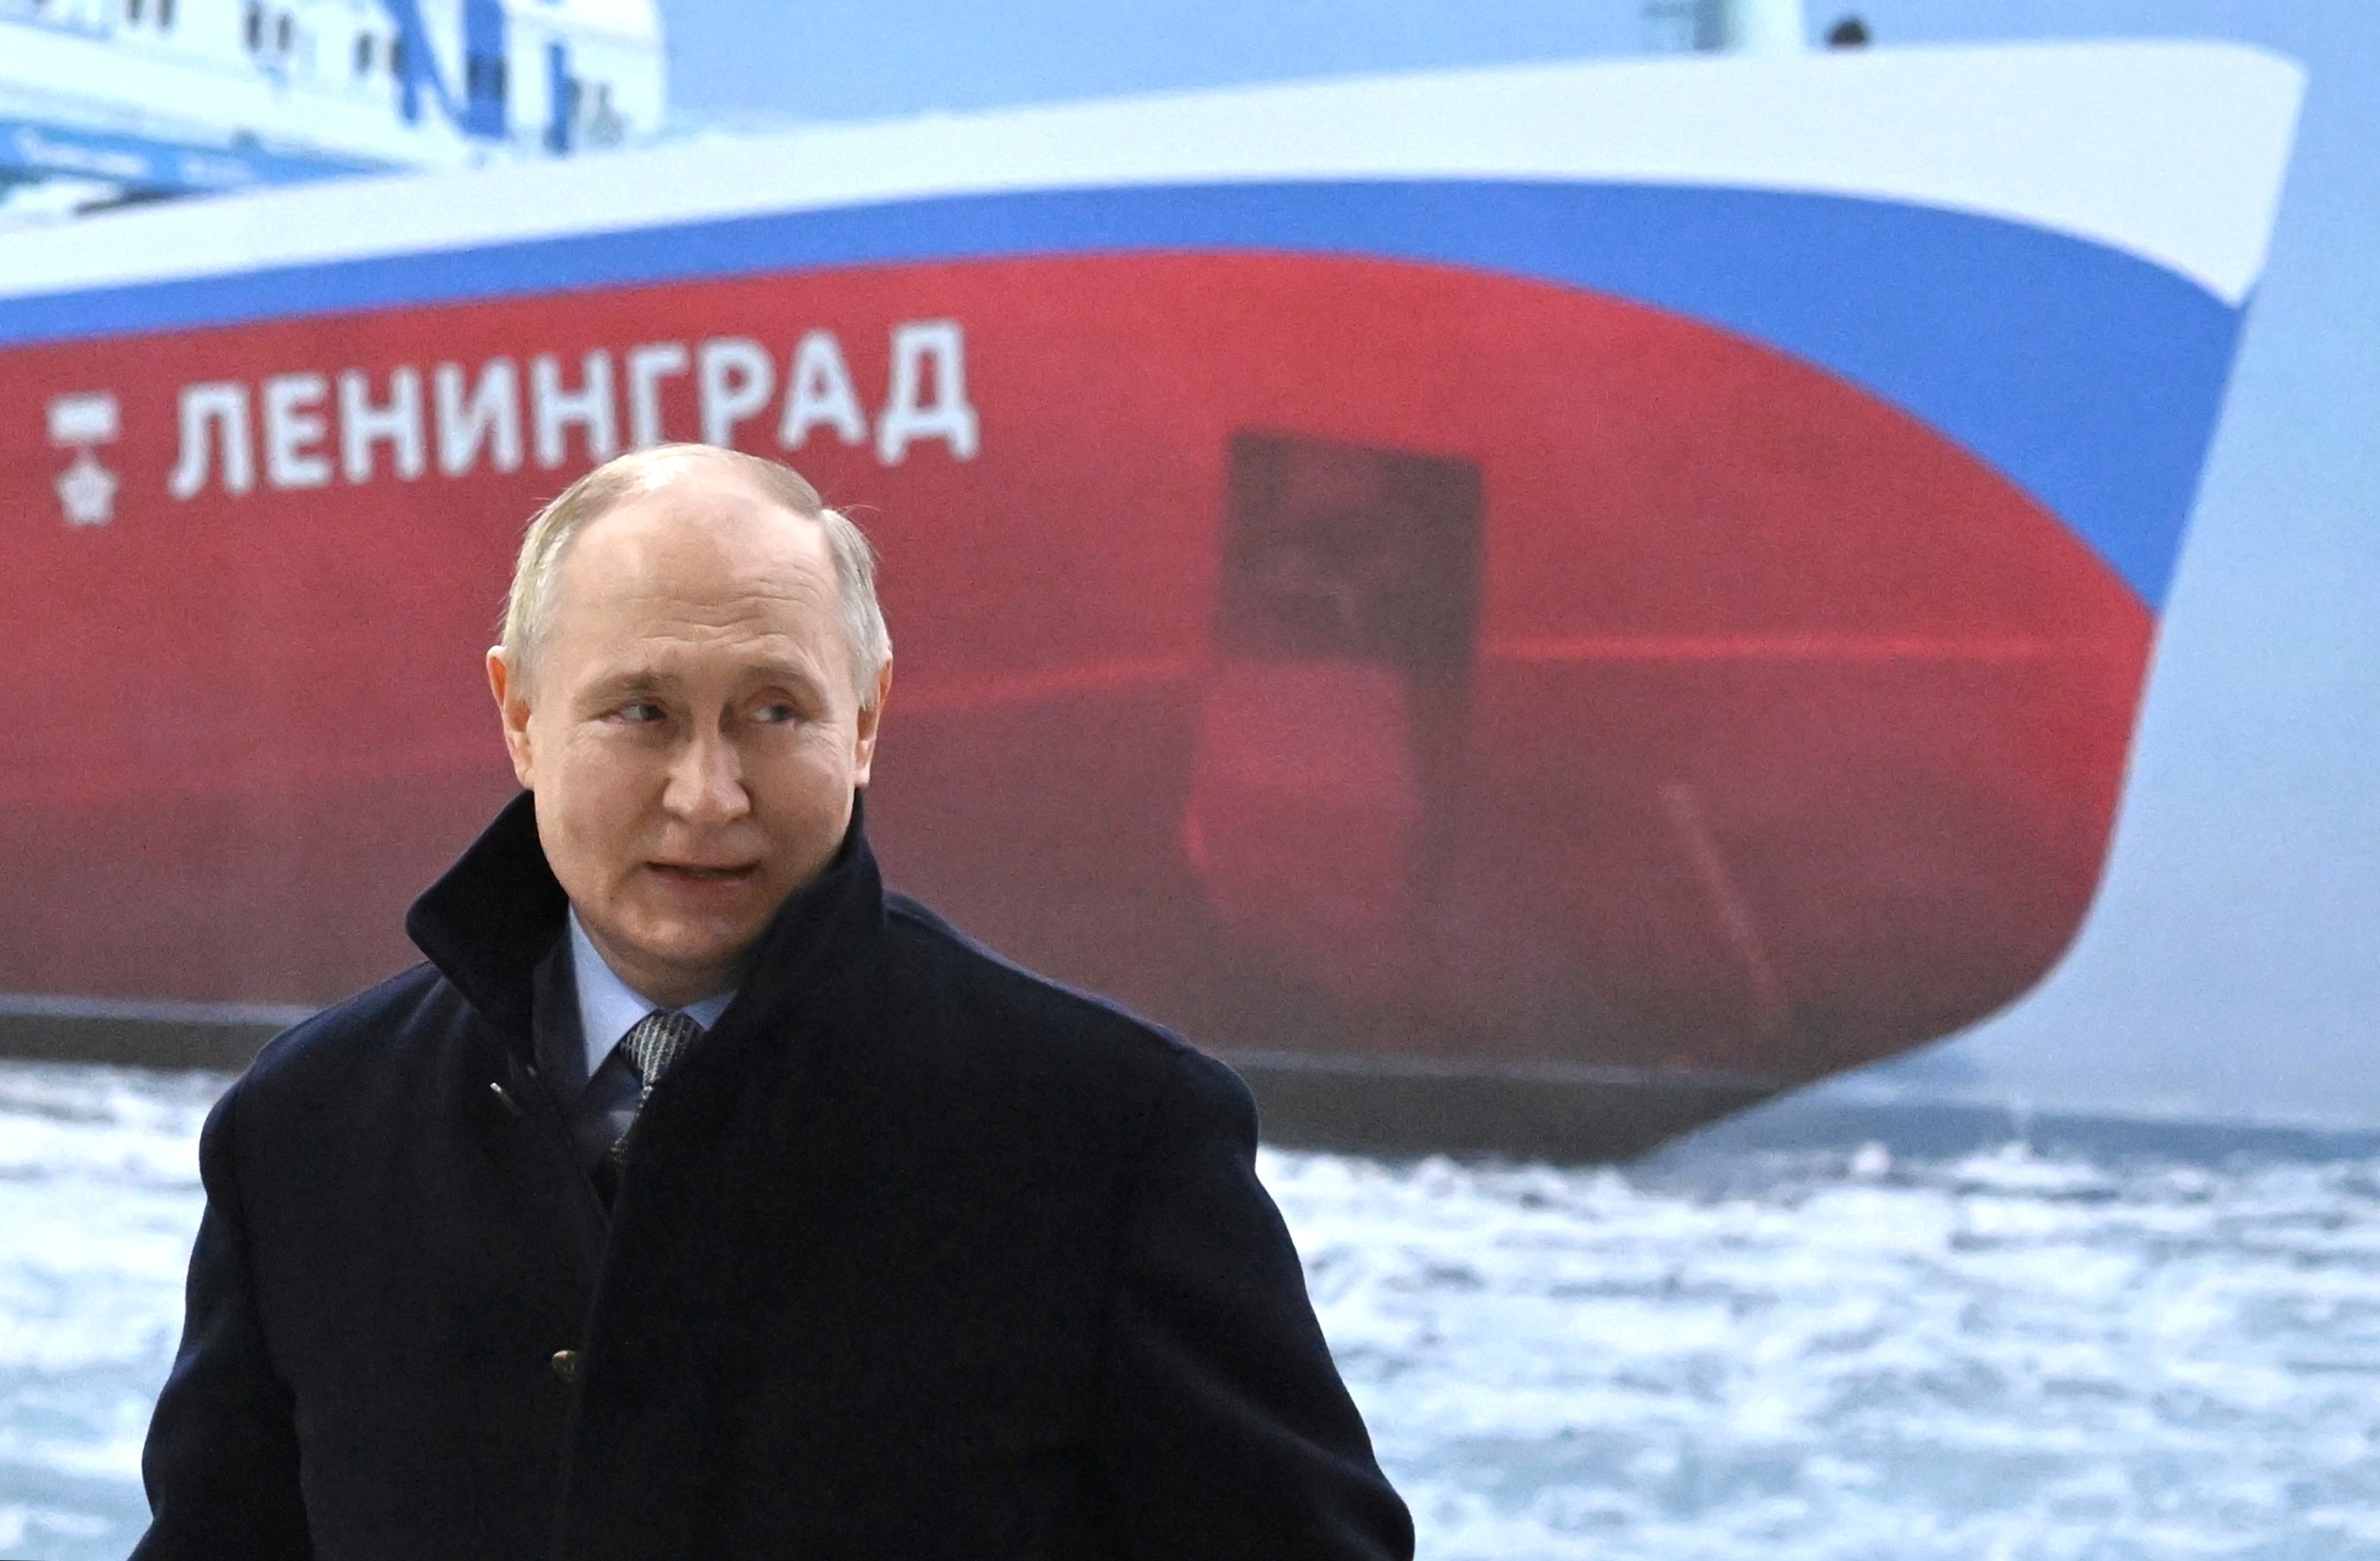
pixel 700 538
pixel 693 497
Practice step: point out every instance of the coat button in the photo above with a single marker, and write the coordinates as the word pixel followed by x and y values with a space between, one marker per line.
pixel 565 1365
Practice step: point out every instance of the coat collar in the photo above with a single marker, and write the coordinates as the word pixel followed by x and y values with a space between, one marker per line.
pixel 488 921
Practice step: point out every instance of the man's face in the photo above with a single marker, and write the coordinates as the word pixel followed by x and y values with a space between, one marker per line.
pixel 689 726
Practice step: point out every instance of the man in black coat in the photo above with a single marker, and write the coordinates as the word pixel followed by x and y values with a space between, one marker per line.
pixel 860 1242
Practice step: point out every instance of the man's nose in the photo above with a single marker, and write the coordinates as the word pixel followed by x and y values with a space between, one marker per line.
pixel 706 780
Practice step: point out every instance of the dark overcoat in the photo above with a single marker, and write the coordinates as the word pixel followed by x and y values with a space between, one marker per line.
pixel 917 1255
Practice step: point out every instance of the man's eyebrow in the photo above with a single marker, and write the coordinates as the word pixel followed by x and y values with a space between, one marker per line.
pixel 646 682
pixel 784 672
pixel 629 683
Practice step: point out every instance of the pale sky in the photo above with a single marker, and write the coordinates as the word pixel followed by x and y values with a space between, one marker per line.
pixel 2232 964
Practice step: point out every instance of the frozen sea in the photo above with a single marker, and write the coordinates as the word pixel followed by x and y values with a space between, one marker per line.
pixel 1810 1354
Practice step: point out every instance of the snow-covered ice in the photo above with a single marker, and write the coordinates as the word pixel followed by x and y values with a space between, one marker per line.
pixel 99 1199
pixel 1822 1355
pixel 1827 1355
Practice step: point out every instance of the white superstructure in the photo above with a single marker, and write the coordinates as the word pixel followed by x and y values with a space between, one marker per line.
pixel 2109 143
pixel 110 99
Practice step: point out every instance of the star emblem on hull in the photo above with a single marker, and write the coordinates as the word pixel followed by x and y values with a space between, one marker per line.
pixel 87 491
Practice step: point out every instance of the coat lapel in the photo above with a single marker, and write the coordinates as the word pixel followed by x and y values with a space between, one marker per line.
pixel 492 918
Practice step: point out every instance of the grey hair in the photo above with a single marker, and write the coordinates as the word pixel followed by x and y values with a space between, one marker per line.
pixel 622 477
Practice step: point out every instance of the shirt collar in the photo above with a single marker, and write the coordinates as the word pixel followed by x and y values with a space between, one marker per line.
pixel 609 1007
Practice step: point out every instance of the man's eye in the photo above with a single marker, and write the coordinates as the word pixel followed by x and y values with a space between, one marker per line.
pixel 637 712
pixel 775 714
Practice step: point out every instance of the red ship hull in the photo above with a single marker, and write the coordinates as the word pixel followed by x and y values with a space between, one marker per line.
pixel 1317 652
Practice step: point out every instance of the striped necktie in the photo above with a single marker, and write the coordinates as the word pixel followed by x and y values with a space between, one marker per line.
pixel 653 1046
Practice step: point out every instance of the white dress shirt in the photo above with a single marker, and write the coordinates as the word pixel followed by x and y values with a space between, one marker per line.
pixel 609 1007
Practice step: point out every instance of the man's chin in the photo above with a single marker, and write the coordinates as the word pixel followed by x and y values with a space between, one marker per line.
pixel 690 947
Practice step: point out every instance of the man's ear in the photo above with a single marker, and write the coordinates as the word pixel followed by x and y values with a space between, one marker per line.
pixel 511 708
pixel 864 752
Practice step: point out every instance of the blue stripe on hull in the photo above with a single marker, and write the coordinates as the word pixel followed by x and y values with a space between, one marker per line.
pixel 2089 377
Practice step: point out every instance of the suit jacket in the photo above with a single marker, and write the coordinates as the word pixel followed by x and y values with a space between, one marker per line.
pixel 917 1255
